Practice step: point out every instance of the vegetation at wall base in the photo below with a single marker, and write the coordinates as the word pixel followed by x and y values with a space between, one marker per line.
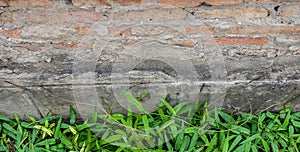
pixel 206 130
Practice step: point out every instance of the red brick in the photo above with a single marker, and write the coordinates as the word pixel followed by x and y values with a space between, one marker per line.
pixel 11 33
pixel 90 2
pixel 267 29
pixel 60 16
pixel 223 2
pixel 185 43
pixel 241 41
pixel 195 3
pixel 289 10
pixel 200 30
pixel 8 17
pixel 72 44
pixel 119 30
pixel 83 30
pixel 25 3
pixel 232 13
pixel 109 58
pixel 179 3
pixel 270 1
pixel 150 14
pixel 128 2
pixel 79 3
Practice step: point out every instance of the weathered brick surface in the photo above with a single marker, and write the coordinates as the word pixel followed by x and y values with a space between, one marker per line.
pixel 62 16
pixel 119 30
pixel 200 30
pixel 232 13
pixel 150 15
pixel 186 43
pixel 106 2
pixel 25 3
pixel 195 3
pixel 171 3
pixel 241 41
pixel 270 1
pixel 265 29
pixel 83 30
pixel 11 33
pixel 289 10
pixel 90 2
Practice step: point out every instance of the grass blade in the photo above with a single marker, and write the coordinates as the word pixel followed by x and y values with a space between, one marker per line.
pixel 72 116
pixel 134 101
pixel 235 142
pixel 57 133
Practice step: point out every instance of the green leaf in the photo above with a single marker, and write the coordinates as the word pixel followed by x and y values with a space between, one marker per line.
pixel 265 144
pixel 47 118
pixel 162 115
pixel 27 125
pixel 194 140
pixel 57 133
pixel 31 118
pixel 226 117
pixel 66 141
pixel 165 125
pixel 286 120
pixel 142 96
pixel 185 143
pixel 282 143
pixel 4 118
pixel 74 132
pixel 118 116
pixel 242 129
pixel 72 116
pixel 248 146
pixel 235 142
pixel 146 123
pixel 214 140
pixel 135 102
pixel 34 135
pixel 253 137
pixel 254 148
pixel 179 140
pixel 291 131
pixel 221 137
pixel 112 138
pixel 169 107
pixel 167 141
pixel 226 143
pixel 241 148
pixel 17 118
pixel 178 107
pixel 204 138
pixel 295 123
pixel 274 147
pixel 47 141
pixel 94 116
pixel 189 130
pixel 81 127
pixel 9 128
pixel 270 115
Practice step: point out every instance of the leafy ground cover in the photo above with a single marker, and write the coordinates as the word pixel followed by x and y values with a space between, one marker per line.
pixel 183 127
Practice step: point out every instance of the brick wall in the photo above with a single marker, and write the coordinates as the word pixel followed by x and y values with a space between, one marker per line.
pixel 234 22
pixel 259 39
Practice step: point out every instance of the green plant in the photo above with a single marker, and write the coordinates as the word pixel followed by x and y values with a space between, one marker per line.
pixel 182 127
